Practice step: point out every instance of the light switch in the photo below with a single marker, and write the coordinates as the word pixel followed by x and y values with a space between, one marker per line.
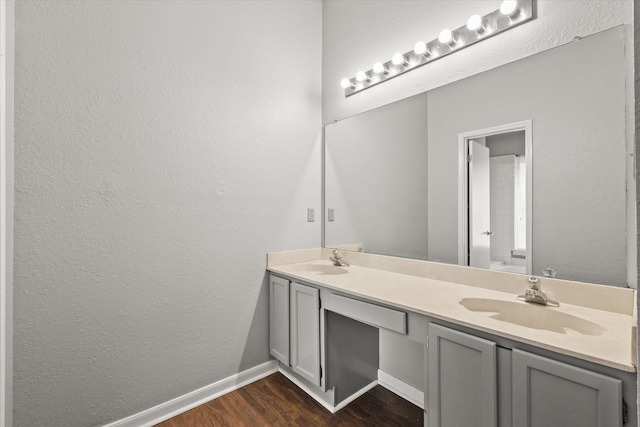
pixel 310 215
pixel 330 215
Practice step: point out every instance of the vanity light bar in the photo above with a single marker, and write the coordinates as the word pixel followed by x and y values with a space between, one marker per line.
pixel 511 14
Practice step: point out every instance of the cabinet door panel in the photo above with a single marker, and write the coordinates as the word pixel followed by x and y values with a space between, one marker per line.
pixel 547 393
pixel 305 332
pixel 279 319
pixel 461 379
pixel 505 393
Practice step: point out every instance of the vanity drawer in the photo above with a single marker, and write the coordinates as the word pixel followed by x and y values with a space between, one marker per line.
pixel 375 315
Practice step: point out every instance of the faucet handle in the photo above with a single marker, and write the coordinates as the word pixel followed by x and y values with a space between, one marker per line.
pixel 534 282
pixel 534 294
pixel 337 259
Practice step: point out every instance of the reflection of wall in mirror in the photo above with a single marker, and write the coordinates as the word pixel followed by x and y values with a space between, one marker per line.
pixel 578 110
pixel 376 179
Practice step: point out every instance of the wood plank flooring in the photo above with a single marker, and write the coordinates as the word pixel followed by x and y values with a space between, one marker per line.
pixel 276 401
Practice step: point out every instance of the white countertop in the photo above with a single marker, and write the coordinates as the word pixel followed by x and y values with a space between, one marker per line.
pixel 611 346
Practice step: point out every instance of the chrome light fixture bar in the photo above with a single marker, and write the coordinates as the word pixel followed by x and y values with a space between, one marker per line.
pixel 511 14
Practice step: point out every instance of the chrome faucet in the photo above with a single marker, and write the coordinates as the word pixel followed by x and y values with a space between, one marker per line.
pixel 337 259
pixel 535 295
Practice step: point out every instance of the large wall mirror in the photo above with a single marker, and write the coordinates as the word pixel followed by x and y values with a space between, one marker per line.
pixel 399 179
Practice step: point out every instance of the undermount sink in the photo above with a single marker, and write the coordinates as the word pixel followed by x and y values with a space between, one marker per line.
pixel 533 316
pixel 325 269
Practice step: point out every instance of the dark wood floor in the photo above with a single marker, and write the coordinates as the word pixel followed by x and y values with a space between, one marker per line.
pixel 276 401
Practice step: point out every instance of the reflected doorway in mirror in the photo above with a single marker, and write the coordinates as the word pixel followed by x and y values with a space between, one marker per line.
pixel 495 193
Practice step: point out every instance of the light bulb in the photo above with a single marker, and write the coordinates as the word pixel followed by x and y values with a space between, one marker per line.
pixel 420 48
pixel 361 76
pixel 509 8
pixel 345 83
pixel 378 68
pixel 446 36
pixel 475 24
pixel 398 59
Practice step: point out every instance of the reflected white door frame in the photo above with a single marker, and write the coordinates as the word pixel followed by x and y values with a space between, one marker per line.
pixel 463 187
pixel 479 200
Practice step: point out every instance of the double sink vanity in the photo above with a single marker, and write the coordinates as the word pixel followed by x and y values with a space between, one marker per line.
pixel 452 191
pixel 489 358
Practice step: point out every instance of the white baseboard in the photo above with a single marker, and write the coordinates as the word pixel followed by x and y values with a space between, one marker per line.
pixel 173 407
pixel 309 391
pixel 354 396
pixel 329 407
pixel 401 388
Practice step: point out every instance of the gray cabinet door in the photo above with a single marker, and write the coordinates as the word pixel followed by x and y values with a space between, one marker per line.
pixel 461 383
pixel 305 332
pixel 547 393
pixel 279 318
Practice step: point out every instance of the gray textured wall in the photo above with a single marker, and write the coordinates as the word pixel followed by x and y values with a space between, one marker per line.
pixel 162 148
pixel 375 167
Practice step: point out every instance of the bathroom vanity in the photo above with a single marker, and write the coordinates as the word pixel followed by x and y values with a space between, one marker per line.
pixel 489 359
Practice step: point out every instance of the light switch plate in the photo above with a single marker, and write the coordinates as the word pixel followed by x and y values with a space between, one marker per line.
pixel 330 215
pixel 310 215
